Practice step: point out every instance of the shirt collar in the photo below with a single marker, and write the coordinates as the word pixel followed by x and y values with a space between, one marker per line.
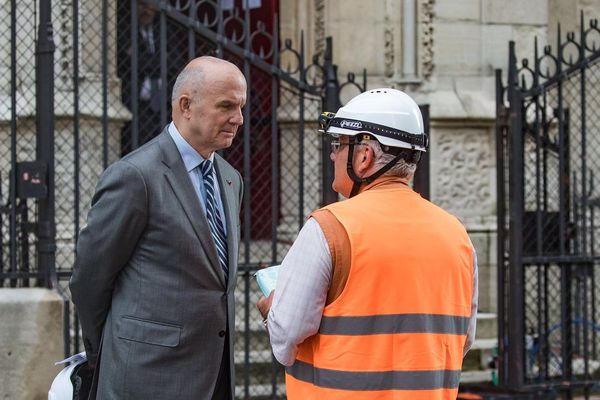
pixel 191 158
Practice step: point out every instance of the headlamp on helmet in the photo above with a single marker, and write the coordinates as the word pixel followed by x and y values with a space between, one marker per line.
pixel 324 120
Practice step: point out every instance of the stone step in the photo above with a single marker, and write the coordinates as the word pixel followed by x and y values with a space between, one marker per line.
pixel 482 376
pixel 487 326
pixel 261 371
pixel 254 356
pixel 484 344
pixel 480 355
pixel 258 341
pixel 255 324
pixel 260 391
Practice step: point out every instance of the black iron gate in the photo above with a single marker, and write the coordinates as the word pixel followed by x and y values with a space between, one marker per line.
pixel 102 85
pixel 548 152
pixel 100 82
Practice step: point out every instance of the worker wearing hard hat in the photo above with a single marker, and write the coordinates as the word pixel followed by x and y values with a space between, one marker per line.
pixel 377 297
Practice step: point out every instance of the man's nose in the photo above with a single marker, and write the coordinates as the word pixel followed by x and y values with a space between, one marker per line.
pixel 238 118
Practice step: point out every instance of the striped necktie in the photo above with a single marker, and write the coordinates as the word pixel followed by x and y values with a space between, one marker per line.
pixel 213 216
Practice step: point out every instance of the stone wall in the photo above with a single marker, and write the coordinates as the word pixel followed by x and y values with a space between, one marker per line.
pixel 443 53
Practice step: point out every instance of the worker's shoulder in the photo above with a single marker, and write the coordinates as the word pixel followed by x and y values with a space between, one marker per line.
pixel 440 215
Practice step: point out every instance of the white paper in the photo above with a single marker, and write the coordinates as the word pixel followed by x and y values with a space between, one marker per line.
pixel 73 359
pixel 267 278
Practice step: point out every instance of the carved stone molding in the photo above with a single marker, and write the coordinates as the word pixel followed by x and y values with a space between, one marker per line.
pixel 388 53
pixel 426 15
pixel 394 53
pixel 465 164
pixel 64 45
pixel 319 27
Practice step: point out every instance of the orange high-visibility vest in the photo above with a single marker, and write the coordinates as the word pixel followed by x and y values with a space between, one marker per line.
pixel 398 329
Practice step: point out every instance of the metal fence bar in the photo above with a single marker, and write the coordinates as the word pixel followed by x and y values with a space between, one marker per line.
pixel 421 178
pixel 275 184
pixel 13 144
pixel 104 83
pixel 24 242
pixel 501 218
pixel 584 174
pixel 301 100
pixel 247 199
pixel 46 225
pixel 332 104
pixel 135 109
pixel 163 70
pixel 516 302
pixel 192 39
pixel 246 278
pixel 76 174
pixel 76 119
pixel 220 29
pixel 565 270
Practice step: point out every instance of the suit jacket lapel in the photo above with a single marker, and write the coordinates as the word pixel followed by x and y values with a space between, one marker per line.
pixel 178 178
pixel 228 196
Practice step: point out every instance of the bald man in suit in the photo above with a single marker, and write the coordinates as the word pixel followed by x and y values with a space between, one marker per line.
pixel 153 283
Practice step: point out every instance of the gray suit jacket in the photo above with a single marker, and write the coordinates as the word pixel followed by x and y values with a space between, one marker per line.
pixel 147 281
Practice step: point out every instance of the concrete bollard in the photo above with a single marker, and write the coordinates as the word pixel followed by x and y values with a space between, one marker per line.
pixel 31 340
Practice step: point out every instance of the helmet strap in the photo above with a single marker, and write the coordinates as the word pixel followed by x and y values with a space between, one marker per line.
pixel 358 181
pixel 355 178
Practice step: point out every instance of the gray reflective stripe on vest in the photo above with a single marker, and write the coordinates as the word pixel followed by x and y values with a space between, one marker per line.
pixel 394 323
pixel 385 380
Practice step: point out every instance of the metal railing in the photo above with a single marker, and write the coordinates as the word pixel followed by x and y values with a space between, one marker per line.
pixel 86 78
pixel 548 263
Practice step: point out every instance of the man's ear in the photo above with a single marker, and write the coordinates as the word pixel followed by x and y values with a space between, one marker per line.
pixel 184 103
pixel 364 160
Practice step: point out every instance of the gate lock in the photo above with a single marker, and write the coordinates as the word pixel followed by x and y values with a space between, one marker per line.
pixel 32 180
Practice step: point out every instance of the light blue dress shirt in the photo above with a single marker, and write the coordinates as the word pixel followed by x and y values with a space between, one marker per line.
pixel 191 160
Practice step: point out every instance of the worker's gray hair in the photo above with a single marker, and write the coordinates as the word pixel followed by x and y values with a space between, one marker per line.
pixel 402 168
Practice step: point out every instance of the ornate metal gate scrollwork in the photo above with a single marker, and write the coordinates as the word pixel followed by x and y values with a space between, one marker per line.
pixel 548 147
pixel 103 80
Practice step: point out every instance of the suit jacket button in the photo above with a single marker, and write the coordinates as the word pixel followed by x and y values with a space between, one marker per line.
pixel 222 333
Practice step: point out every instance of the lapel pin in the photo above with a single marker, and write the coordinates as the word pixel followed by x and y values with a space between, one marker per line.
pixel 228 181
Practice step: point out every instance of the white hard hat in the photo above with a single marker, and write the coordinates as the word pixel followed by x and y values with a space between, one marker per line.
pixel 65 385
pixel 390 115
